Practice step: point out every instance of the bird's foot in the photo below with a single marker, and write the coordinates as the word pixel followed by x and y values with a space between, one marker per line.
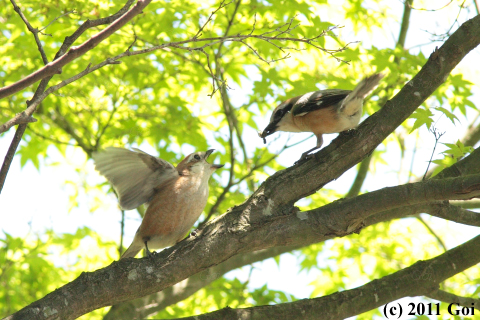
pixel 151 254
pixel 349 132
pixel 305 156
pixel 194 233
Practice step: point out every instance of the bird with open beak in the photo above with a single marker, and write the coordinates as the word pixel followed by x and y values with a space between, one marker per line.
pixel 176 196
pixel 320 112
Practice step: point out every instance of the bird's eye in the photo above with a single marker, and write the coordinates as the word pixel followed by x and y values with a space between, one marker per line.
pixel 197 157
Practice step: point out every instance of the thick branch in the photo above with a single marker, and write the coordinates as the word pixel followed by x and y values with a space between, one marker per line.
pixel 447 297
pixel 454 211
pixel 360 178
pixel 267 219
pixel 75 52
pixel 19 118
pixel 407 9
pixel 344 152
pixel 468 165
pixel 471 204
pixel 147 306
pixel 438 209
pixel 472 136
pixel 246 229
pixel 420 279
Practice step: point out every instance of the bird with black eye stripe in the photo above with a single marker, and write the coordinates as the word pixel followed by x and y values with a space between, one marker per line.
pixel 321 112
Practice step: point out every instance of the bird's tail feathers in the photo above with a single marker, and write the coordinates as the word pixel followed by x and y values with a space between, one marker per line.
pixel 364 88
pixel 131 251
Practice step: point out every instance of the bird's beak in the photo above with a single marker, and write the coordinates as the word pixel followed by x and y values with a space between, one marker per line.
pixel 271 128
pixel 213 166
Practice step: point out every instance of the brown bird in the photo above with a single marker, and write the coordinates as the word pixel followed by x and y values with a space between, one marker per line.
pixel 175 196
pixel 320 112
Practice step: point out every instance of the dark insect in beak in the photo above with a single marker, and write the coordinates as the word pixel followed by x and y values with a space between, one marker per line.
pixel 271 128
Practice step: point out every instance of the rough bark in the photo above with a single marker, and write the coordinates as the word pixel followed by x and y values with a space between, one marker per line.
pixel 243 231
pixel 420 279
pixel 149 305
pixel 268 218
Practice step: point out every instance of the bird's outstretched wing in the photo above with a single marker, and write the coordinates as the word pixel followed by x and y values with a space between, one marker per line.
pixel 318 100
pixel 134 174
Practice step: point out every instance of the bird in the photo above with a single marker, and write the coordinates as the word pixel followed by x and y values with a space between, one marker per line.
pixel 321 112
pixel 175 196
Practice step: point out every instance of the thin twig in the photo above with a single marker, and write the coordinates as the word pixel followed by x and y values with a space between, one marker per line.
pixel 477 6
pixel 447 33
pixel 433 233
pixel 222 5
pixel 10 153
pixel 33 30
pixel 254 168
pixel 62 15
pixel 214 78
pixel 50 138
pixel 227 29
pixel 39 93
pixel 413 158
pixel 425 9
pixel 56 66
pixel 437 135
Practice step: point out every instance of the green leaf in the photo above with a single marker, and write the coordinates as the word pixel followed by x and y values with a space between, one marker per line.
pixel 422 117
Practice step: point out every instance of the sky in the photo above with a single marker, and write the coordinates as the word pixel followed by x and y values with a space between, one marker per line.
pixel 33 200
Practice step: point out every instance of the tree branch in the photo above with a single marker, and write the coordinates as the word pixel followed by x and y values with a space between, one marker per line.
pixel 447 297
pixel 420 279
pixel 34 31
pixel 407 9
pixel 344 152
pixel 246 229
pixel 433 233
pixel 470 204
pixel 360 177
pixel 10 153
pixel 56 66
pixel 39 93
pixel 149 305
pixel 468 165
pixel 472 136
pixel 268 219
pixel 453 211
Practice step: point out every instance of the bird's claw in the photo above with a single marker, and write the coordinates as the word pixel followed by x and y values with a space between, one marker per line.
pixel 303 158
pixel 151 254
pixel 349 132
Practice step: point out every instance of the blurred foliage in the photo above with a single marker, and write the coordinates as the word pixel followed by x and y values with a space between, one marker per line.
pixel 35 265
pixel 161 100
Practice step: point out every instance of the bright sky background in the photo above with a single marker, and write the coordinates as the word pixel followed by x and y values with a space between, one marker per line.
pixel 34 201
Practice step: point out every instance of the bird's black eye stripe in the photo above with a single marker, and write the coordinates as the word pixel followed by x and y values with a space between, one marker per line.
pixel 279 113
pixel 197 157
